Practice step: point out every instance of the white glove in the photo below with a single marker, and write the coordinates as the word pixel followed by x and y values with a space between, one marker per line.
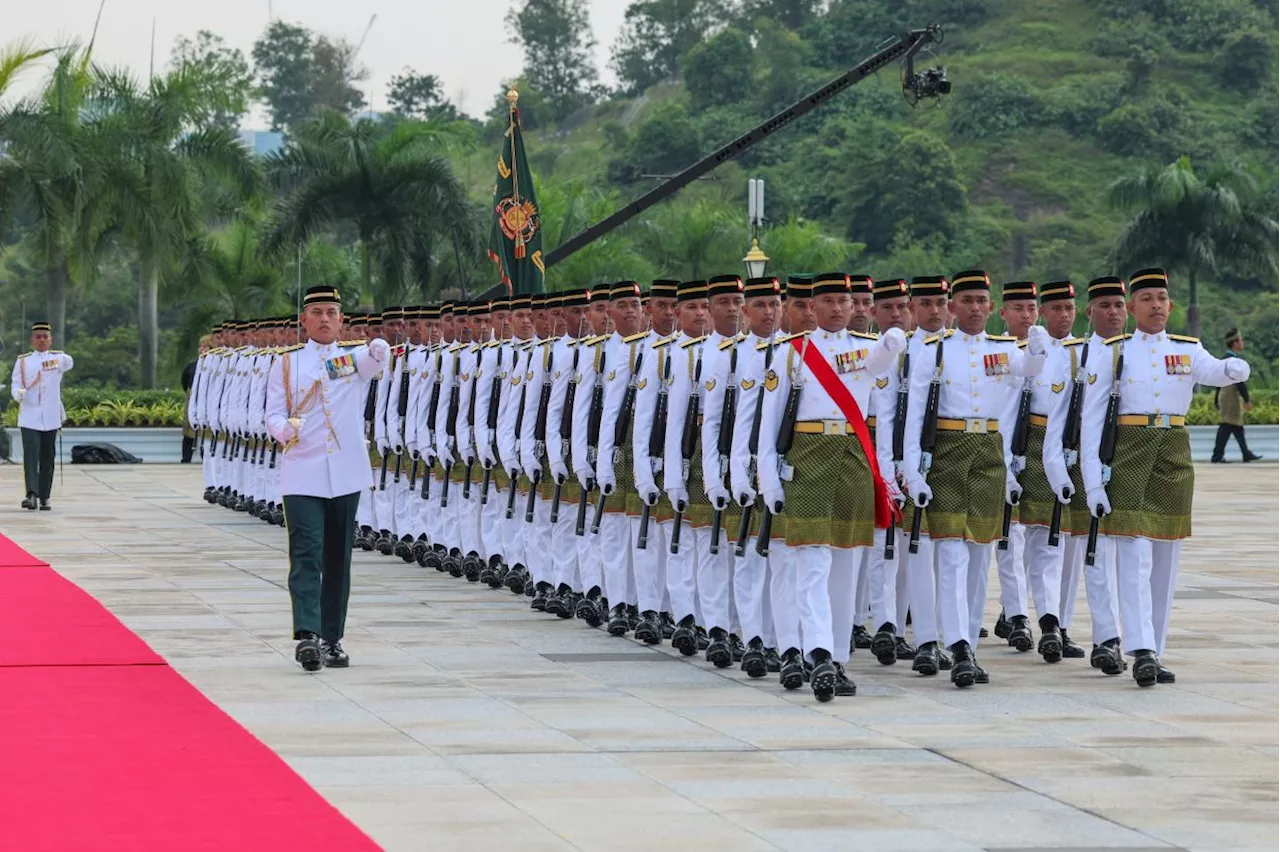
pixel 606 481
pixel 584 476
pixel 1237 369
pixel 379 349
pixel 1012 491
pixel 534 474
pixel 649 494
pixel 559 472
pixel 1037 340
pixel 383 446
pixel 774 500
pixel 446 457
pixel 894 492
pixel 1099 505
pixel 20 393
pixel 1059 486
pixel 746 497
pixel 397 448
pixel 718 495
pixel 486 456
pixel 679 497
pixel 894 340
pixel 919 491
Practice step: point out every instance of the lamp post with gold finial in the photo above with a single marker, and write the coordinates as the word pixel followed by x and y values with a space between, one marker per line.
pixel 756 259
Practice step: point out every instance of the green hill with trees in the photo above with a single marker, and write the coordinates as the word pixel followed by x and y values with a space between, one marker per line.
pixel 1082 137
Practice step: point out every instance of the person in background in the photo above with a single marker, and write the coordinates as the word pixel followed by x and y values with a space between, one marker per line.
pixel 36 385
pixel 1232 402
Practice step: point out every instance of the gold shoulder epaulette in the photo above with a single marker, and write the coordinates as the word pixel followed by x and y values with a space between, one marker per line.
pixel 1117 338
pixel 632 338
pixel 692 341
pixel 664 341
pixel 596 339
pixel 1002 338
pixel 864 335
pixel 457 346
pixel 732 341
pixel 1073 341
pixel 340 343
pixel 934 338
pixel 1184 338
pixel 786 338
pixel 292 348
pixel 1022 344
pixel 911 332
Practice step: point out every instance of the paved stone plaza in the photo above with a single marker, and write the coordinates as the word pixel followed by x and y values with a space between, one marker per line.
pixel 469 722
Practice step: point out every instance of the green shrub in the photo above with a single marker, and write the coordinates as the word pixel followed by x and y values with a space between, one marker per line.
pixel 1266 409
pixel 115 409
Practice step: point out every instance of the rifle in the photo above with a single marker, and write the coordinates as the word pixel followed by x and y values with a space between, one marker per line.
pixel 688 442
pixel 540 431
pixel 657 441
pixel 786 437
pixel 1018 445
pixel 524 388
pixel 415 455
pixel 928 437
pixel 621 432
pixel 753 448
pixel 451 430
pixel 724 441
pixel 382 476
pixel 491 420
pixel 594 415
pixel 402 409
pixel 433 405
pixel 899 433
pixel 566 427
pixel 1070 438
pixel 1106 451
pixel 471 424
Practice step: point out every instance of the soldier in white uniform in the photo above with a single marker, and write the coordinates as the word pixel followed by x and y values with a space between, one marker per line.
pixel 1145 502
pixel 315 401
pixel 969 481
pixel 36 386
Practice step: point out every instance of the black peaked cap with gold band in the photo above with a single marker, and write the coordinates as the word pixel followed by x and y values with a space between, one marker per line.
pixel 624 290
pixel 830 282
pixel 577 298
pixel 969 281
pixel 1146 279
pixel 799 287
pixel 322 295
pixel 861 284
pixel 890 288
pixel 690 290
pixel 41 326
pixel 1057 291
pixel 930 285
pixel 1019 291
pixel 1107 285
pixel 663 288
pixel 756 288
pixel 723 285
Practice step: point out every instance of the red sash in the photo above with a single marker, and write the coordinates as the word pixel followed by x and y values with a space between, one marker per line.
pixel 887 510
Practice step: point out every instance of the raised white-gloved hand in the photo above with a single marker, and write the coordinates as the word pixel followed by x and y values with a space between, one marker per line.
pixel 895 340
pixel 1237 369
pixel 747 497
pixel 679 498
pixel 1099 505
pixel 919 491
pixel 1059 485
pixel 605 480
pixel 379 349
pixel 20 393
pixel 559 471
pixel 1037 340
pixel 718 495
pixel 774 500
pixel 1012 490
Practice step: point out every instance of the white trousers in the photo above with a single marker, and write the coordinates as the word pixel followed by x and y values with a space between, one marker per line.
pixel 842 588
pixel 887 584
pixel 1147 574
pixel 590 560
pixel 782 597
pixel 538 540
pixel 862 593
pixel 615 547
pixel 820 603
pixel 715 580
pixel 649 566
pixel 922 580
pixel 206 465
pixel 750 573
pixel 1013 573
pixel 514 541
pixel 491 520
pixel 682 583
pixel 564 549
pixel 1044 571
pixel 1100 585
pixel 962 588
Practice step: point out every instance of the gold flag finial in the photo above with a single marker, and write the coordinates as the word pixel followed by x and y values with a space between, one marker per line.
pixel 512 96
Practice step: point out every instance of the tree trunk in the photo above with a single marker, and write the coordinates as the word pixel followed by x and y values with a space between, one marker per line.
pixel 148 323
pixel 366 277
pixel 1193 305
pixel 57 279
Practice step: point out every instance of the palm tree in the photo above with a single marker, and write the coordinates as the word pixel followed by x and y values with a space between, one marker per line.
pixel 1195 224
pixel 694 240
pixel 171 167
pixel 391 186
pixel 566 210
pixel 54 171
pixel 17 57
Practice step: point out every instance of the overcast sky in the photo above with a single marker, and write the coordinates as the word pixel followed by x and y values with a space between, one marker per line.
pixel 463 42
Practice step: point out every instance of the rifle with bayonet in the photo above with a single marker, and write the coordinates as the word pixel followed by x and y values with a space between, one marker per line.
pixel 786 437
pixel 491 421
pixel 724 441
pixel 402 410
pixel 688 443
pixel 524 390
pixel 928 437
pixel 621 432
pixel 471 425
pixel 1106 452
pixel 657 447
pixel 753 450
pixel 594 415
pixel 899 433
pixel 433 405
pixel 566 427
pixel 451 429
pixel 1070 439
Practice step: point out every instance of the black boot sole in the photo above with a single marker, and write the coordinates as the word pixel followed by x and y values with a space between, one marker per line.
pixel 963 675
pixel 1112 665
pixel 824 686
pixel 649 634
pixel 925 666
pixel 309 659
pixel 720 657
pixel 686 644
pixel 883 648
pixel 1145 673
pixel 587 611
pixel 1051 649
pixel 754 665
pixel 1021 641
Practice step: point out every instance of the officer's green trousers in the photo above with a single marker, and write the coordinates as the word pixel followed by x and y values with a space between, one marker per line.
pixel 37 460
pixel 320 534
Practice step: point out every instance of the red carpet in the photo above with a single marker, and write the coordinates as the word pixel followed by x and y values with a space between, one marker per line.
pixel 105 748
pixel 50 621
pixel 12 556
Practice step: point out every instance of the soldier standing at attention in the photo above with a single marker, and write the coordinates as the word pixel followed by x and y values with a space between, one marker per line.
pixel 36 386
pixel 315 409
pixel 969 475
pixel 1146 505
pixel 1232 402
pixel 834 497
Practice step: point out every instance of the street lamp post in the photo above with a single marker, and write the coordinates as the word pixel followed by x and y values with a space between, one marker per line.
pixel 756 259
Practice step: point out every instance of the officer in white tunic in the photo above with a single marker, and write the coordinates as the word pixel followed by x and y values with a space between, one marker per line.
pixel 36 386
pixel 315 405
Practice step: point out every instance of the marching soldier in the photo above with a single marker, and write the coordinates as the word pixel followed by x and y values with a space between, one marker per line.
pixel 1108 316
pixel 966 473
pixel 533 455
pixel 833 496
pixel 36 385
pixel 1019 313
pixel 861 316
pixel 510 426
pixel 315 397
pixel 495 366
pixel 1137 395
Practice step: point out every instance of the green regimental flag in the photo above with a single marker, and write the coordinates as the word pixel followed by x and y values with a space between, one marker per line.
pixel 515 241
